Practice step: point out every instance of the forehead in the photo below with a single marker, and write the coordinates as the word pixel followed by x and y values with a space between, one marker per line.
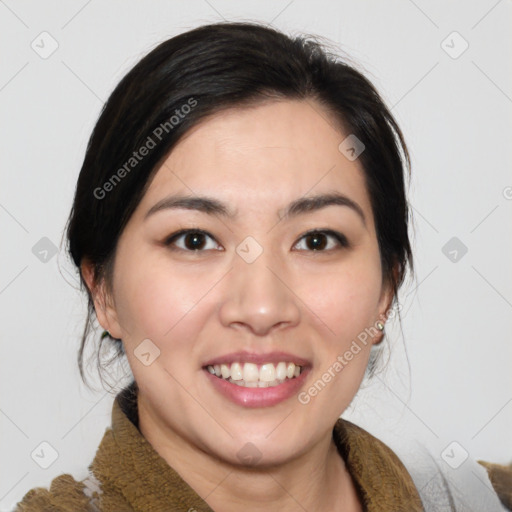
pixel 262 156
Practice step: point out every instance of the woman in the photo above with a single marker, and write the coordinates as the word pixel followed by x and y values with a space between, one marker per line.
pixel 240 226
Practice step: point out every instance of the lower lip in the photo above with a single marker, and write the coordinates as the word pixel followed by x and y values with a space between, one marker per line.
pixel 258 397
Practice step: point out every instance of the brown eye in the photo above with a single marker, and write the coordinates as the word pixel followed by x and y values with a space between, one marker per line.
pixel 319 240
pixel 316 241
pixel 192 240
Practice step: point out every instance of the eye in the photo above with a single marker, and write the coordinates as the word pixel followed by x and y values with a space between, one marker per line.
pixel 316 240
pixel 193 240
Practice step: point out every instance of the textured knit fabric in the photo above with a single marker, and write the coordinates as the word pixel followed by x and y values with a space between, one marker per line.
pixel 128 475
pixel 501 478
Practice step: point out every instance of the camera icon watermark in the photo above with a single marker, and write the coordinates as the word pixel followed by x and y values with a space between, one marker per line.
pixel 351 147
pixel 454 45
pixel 249 249
pixel 45 45
pixel 44 250
pixel 249 454
pixel 147 352
pixel 454 249
pixel 44 455
pixel 454 455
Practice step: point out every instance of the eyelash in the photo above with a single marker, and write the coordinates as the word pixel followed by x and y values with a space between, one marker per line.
pixel 340 238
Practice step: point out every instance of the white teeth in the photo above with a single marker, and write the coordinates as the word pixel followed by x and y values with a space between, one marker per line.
pixel 281 371
pixel 249 375
pixel 225 371
pixel 251 372
pixel 268 372
pixel 236 371
pixel 290 369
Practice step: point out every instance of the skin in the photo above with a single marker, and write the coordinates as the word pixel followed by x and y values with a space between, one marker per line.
pixel 198 305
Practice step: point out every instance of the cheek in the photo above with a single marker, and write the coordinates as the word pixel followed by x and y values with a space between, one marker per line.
pixel 346 300
pixel 153 299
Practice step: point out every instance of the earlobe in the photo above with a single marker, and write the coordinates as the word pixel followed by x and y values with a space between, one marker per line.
pixel 379 336
pixel 386 300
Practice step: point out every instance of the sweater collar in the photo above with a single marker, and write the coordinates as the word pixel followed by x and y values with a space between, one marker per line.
pixel 131 471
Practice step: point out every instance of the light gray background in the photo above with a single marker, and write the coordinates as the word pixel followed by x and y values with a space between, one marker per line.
pixel 455 383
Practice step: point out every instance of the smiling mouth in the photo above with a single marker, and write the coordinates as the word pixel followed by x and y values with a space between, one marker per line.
pixel 251 375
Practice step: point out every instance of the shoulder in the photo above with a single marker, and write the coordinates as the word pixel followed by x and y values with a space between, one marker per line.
pixel 447 480
pixel 64 495
pixel 379 475
pixel 467 485
pixel 69 495
pixel 368 453
pixel 501 478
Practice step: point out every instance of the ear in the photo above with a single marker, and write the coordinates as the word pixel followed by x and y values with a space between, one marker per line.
pixel 103 302
pixel 385 301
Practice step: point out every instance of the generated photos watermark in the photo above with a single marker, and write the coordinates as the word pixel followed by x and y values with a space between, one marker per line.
pixel 144 150
pixel 342 360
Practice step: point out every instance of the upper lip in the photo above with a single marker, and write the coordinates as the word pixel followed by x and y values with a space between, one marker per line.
pixel 261 358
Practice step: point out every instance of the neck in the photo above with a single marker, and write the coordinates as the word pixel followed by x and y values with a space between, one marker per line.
pixel 316 480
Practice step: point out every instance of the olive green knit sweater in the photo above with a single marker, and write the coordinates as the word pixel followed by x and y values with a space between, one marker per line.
pixel 128 475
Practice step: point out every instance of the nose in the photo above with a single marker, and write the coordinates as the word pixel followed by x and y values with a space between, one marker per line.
pixel 258 298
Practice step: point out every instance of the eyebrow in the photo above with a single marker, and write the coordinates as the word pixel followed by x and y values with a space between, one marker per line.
pixel 212 206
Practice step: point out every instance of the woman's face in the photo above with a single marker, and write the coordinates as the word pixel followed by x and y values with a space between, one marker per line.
pixel 252 286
